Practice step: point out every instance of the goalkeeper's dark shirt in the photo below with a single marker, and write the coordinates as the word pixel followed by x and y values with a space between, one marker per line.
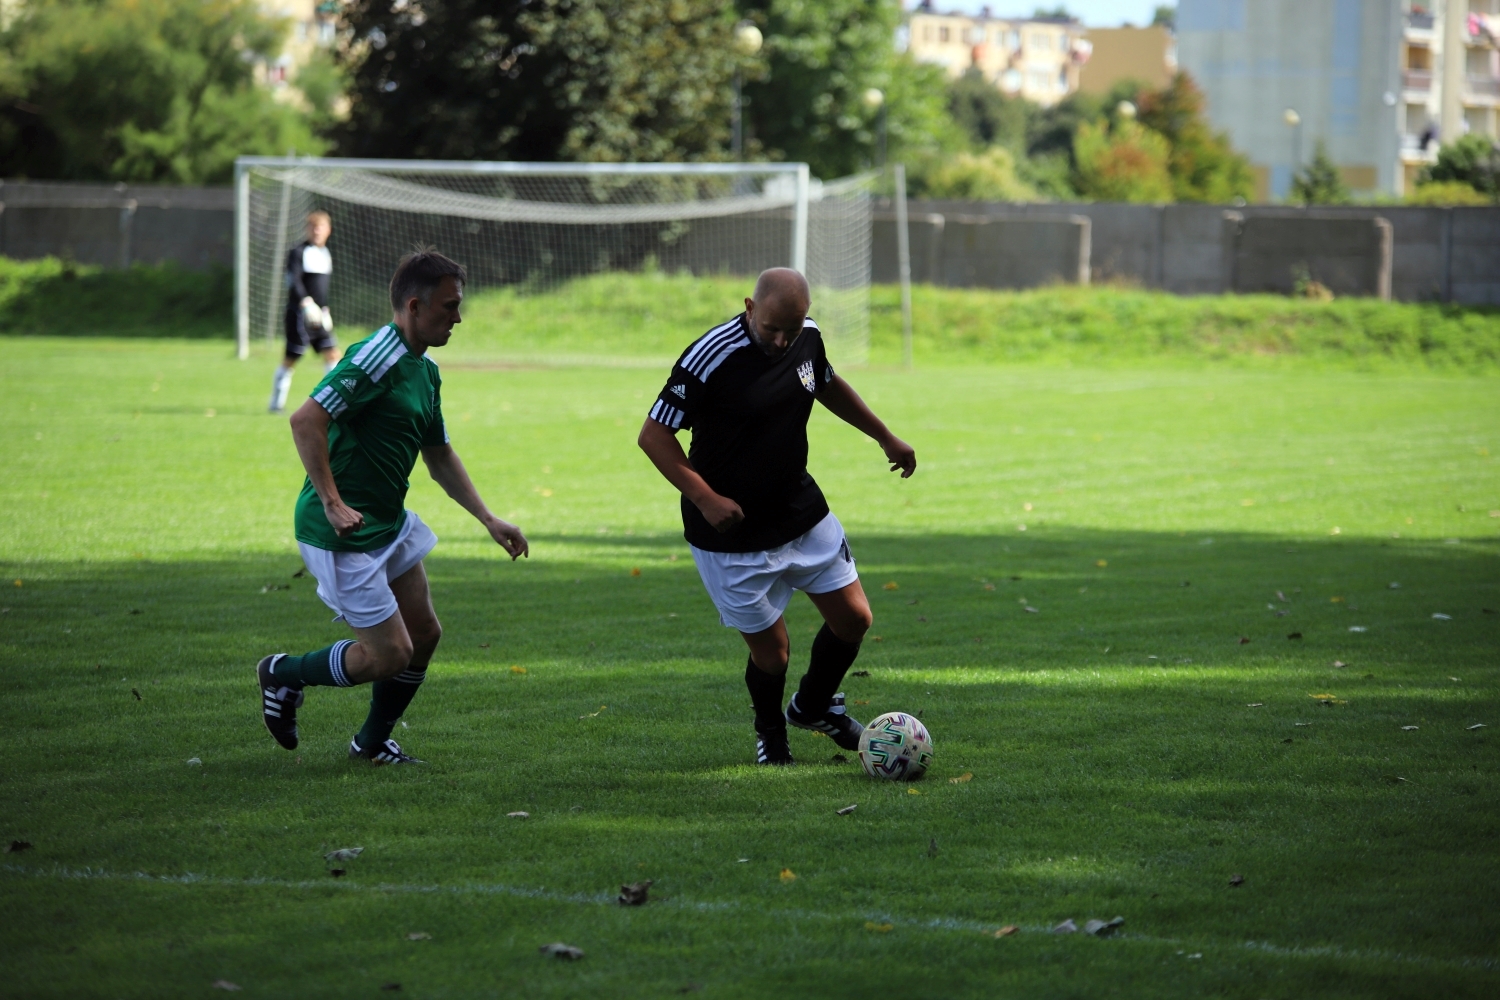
pixel 308 268
pixel 748 414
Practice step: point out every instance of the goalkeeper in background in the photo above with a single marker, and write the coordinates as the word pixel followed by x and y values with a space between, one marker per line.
pixel 308 267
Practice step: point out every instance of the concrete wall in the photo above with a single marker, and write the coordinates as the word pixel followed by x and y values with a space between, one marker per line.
pixel 117 225
pixel 1348 256
pixel 1437 254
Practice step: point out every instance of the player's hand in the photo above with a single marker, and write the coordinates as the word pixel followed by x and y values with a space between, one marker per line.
pixel 721 512
pixel 509 538
pixel 901 455
pixel 327 320
pixel 312 314
pixel 345 519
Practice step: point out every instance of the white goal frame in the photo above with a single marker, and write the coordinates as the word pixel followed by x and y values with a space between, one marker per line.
pixel 799 172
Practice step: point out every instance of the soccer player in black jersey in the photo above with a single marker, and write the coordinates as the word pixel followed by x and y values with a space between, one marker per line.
pixel 307 320
pixel 757 522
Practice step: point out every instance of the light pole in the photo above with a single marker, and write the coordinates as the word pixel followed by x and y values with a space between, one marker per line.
pixel 1294 122
pixel 874 99
pixel 747 42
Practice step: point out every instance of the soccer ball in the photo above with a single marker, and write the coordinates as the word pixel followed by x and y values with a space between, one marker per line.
pixel 895 746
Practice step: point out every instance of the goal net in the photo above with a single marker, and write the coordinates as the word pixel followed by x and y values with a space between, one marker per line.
pixel 526 230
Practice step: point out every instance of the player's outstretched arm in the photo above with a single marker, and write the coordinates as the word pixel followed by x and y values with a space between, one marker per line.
pixel 661 446
pixel 843 402
pixel 310 433
pixel 448 471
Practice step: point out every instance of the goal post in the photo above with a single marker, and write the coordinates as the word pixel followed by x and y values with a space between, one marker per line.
pixel 536 227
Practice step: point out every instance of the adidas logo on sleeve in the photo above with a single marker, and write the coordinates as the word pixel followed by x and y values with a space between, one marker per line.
pixel 680 391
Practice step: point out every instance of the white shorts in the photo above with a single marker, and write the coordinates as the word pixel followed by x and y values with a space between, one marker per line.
pixel 357 585
pixel 752 589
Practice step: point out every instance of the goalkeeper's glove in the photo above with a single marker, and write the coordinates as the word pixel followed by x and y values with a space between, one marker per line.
pixel 312 316
pixel 327 320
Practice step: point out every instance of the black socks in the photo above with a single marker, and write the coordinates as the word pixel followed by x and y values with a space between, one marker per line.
pixel 766 691
pixel 831 659
pixel 388 701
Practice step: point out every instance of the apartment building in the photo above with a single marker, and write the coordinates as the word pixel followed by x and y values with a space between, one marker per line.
pixel 1380 83
pixel 1035 58
pixel 314 26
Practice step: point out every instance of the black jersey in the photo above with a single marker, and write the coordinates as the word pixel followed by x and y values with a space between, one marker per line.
pixel 748 414
pixel 308 267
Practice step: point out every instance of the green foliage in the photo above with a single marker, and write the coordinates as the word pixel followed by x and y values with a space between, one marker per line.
pixel 1320 183
pixel 1116 767
pixel 51 296
pixel 988 175
pixel 987 116
pixel 1471 159
pixel 558 79
pixel 1165 16
pixel 141 90
pixel 323 82
pixel 821 56
pixel 1128 162
pixel 1447 193
pixel 1203 165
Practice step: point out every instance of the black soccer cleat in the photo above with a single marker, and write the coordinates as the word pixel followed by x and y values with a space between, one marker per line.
pixel 388 752
pixel 278 703
pixel 835 723
pixel 773 748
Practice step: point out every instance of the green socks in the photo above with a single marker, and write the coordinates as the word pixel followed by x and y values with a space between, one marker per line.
pixel 388 701
pixel 324 667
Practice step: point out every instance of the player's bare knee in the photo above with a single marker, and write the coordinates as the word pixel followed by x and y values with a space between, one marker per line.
pixel 425 636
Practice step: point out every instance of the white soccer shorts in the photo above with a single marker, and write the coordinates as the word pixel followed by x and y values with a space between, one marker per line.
pixel 357 585
pixel 752 589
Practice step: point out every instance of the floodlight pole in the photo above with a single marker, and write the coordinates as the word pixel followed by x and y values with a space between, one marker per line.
pixel 242 260
pixel 903 261
pixel 799 220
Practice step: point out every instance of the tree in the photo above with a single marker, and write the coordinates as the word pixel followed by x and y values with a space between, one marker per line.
pixel 1203 165
pixel 989 175
pixel 1320 183
pixel 986 115
pixel 1471 159
pixel 542 80
pixel 821 57
pixel 1126 163
pixel 141 90
pixel 1165 16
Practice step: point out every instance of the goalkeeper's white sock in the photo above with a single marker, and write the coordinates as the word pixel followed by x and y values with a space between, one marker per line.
pixel 281 386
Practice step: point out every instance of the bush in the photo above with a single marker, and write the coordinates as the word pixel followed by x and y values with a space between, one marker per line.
pixel 1127 163
pixel 986 176
pixel 1447 193
pixel 57 297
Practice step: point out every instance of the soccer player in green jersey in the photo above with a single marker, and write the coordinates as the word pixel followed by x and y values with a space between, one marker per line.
pixel 359 436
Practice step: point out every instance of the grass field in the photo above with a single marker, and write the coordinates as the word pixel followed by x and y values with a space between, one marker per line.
pixel 1151 513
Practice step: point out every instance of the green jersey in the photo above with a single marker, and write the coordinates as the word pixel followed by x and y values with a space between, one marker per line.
pixel 386 404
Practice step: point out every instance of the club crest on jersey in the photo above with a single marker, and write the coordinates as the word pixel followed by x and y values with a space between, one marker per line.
pixel 805 373
pixel 680 391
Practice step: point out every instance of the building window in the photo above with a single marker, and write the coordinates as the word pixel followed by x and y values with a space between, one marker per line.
pixel 1062 79
pixel 1039 80
pixel 1041 41
pixel 1013 40
pixel 943 33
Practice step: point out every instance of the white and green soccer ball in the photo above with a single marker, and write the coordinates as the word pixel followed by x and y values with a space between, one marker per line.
pixel 895 746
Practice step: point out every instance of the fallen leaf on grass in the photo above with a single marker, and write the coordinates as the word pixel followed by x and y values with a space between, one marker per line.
pixel 892 585
pixel 390 987
pixel 1256 704
pixel 1287 740
pixel 871 925
pixel 787 875
pixel 921 618
pixel 419 936
pixel 1236 880
pixel 860 673
pixel 1358 628
pixel 1407 729
pixel 1103 928
pixel 1328 699
pixel 1243 640
pixel 1455 680
pixel 1030 610
pixel 566 952
pixel 17 846
pixel 989 586
pixel 300 573
pixel 518 670
pixel 635 893
pixel 1442 617
pixel 136 611
pixel 484 645
pixel 966 776
pixel 1294 635
pixel 1101 563
pixel 195 760
pixel 1395 779
pixel 1335 600
pixel 635 571
pixel 1302 723
pixel 518 814
pixel 1339 663
pixel 1477 725
pixel 859 702
pixel 136 693
pixel 1066 927
pixel 847 809
pixel 1393 585
pixel 337 872
pixel 1007 931
pixel 593 715
pixel 690 987
pixel 343 854
pixel 932 848
pixel 226 985
pixel 878 638
pixel 1281 597
pixel 913 791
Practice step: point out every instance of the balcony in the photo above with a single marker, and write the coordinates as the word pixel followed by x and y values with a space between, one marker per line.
pixel 1419 25
pixel 1419 80
pixel 1483 86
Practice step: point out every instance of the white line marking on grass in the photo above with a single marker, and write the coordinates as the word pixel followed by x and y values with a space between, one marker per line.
pixel 607 899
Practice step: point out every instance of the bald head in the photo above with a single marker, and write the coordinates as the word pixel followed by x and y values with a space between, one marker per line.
pixel 776 311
